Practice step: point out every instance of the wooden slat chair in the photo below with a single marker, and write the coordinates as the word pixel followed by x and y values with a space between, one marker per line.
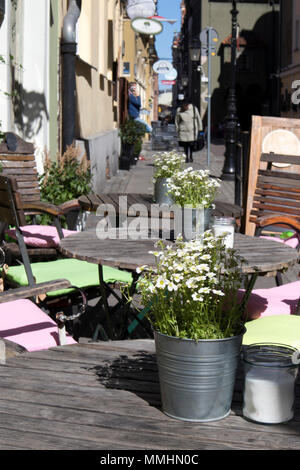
pixel 83 275
pixel 276 201
pixel 22 322
pixel 22 167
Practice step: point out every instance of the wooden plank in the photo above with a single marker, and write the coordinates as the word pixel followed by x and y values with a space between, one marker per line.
pixel 284 194
pixel 32 291
pixel 253 165
pixel 276 158
pixel 18 164
pixel 19 171
pixel 28 184
pixel 25 177
pixel 281 203
pixel 274 182
pixel 24 192
pixel 16 158
pixel 279 174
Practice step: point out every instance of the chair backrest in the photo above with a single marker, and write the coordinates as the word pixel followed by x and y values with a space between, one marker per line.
pixel 11 213
pixel 23 169
pixel 10 202
pixel 277 191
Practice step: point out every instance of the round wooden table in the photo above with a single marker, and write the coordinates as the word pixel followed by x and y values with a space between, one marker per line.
pixel 260 256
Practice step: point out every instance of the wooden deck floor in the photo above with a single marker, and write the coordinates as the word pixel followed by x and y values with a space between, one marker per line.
pixel 105 396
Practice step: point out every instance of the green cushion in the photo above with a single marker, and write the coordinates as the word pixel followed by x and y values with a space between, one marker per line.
pixel 284 329
pixel 80 274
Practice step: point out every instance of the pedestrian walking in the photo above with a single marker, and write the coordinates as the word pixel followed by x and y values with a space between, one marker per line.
pixel 188 124
pixel 134 106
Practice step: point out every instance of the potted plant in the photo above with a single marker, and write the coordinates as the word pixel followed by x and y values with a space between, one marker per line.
pixel 197 321
pixel 193 191
pixel 137 150
pixel 65 179
pixel 165 164
pixel 130 131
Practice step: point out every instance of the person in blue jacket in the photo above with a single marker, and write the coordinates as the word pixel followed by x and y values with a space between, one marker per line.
pixel 134 106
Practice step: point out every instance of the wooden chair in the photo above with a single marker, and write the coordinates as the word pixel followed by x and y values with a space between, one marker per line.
pixel 18 161
pixel 277 194
pixel 275 205
pixel 81 274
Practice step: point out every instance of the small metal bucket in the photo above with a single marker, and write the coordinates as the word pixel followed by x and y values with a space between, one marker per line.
pixel 197 377
pixel 160 192
pixel 207 217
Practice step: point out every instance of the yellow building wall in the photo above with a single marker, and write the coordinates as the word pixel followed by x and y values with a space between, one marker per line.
pixel 141 72
pixel 99 42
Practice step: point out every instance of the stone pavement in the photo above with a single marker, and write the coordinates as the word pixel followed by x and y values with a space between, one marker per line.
pixel 139 180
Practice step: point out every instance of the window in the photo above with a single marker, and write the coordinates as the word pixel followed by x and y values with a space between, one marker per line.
pixel 126 68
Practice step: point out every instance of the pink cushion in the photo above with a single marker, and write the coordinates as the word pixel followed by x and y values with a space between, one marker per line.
pixel 273 301
pixel 292 241
pixel 40 235
pixel 22 322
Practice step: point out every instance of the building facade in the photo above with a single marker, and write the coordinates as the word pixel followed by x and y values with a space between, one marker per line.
pixel 257 63
pixel 32 74
pixel 290 58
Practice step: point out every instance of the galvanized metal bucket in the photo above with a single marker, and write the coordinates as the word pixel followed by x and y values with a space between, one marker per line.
pixel 197 378
pixel 189 222
pixel 207 217
pixel 160 192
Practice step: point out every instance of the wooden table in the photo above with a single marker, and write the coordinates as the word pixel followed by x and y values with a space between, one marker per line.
pixel 105 396
pixel 128 200
pixel 261 257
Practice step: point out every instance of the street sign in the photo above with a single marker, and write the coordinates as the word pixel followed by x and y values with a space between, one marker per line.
pixel 162 66
pixel 146 26
pixel 204 36
pixel 172 75
pixel 168 82
pixel 205 51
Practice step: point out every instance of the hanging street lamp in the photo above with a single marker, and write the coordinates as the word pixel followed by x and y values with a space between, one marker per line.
pixel 140 8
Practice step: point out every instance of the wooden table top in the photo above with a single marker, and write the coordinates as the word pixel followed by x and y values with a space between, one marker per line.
pixel 105 396
pixel 126 203
pixel 261 255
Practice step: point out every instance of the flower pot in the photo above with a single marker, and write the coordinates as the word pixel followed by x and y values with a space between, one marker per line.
pixel 197 377
pixel 189 222
pixel 124 163
pixel 207 217
pixel 160 192
pixel 127 150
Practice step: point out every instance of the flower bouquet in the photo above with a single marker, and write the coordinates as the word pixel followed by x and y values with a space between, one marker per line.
pixel 193 188
pixel 165 165
pixel 191 295
pixel 193 288
pixel 193 192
